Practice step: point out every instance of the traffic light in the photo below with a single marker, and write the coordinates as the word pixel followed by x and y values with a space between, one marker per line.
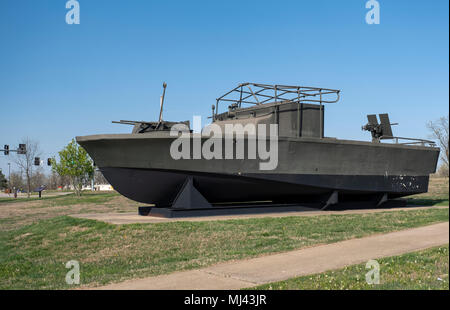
pixel 37 161
pixel 6 149
pixel 22 149
pixel 49 161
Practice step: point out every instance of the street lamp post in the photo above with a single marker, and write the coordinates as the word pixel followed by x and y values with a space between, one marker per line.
pixel 9 178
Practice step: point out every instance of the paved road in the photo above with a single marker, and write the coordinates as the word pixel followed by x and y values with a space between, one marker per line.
pixel 266 269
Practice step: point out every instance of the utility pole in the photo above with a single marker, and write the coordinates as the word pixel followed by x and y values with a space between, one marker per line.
pixel 9 179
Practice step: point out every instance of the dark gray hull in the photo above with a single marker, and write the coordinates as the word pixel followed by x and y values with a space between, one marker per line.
pixel 141 185
pixel 141 168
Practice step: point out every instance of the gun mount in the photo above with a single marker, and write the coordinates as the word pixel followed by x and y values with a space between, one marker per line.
pixel 160 125
pixel 142 126
pixel 383 131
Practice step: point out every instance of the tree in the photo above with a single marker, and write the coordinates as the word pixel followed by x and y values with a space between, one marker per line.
pixel 54 180
pixel 39 179
pixel 3 181
pixel 99 178
pixel 16 181
pixel 74 163
pixel 439 132
pixel 26 161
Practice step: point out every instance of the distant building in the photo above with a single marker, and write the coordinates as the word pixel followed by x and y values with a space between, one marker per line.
pixel 103 187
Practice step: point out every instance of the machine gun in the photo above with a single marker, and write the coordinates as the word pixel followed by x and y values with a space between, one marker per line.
pixel 160 125
pixel 379 131
pixel 383 130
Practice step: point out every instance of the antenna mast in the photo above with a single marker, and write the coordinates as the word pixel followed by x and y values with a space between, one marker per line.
pixel 162 102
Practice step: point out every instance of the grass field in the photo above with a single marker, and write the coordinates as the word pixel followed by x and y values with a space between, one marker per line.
pixel 33 256
pixel 15 213
pixel 437 194
pixel 37 238
pixel 422 270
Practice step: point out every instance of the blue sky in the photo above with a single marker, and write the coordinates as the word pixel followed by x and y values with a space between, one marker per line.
pixel 58 81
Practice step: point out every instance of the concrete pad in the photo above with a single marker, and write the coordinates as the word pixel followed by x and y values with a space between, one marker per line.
pixel 271 268
pixel 134 218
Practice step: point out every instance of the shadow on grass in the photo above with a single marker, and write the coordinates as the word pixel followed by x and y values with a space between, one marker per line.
pixel 427 201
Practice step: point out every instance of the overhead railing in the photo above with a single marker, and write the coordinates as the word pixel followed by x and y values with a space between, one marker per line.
pixel 412 141
pixel 257 94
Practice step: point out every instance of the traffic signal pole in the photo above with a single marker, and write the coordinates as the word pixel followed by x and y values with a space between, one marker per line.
pixel 21 150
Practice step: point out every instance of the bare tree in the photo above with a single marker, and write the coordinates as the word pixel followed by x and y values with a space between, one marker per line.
pixel 54 180
pixel 439 132
pixel 26 161
pixel 99 178
pixel 38 179
pixel 16 181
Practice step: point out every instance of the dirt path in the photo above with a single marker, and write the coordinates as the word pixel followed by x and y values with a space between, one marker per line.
pixel 251 272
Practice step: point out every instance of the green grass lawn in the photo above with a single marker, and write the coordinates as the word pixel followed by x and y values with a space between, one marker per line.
pixel 34 256
pixel 422 270
pixel 21 212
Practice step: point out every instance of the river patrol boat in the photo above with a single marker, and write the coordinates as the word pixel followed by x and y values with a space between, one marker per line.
pixel 311 170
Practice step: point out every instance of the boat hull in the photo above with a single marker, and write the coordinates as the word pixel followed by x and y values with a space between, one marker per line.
pixel 161 187
pixel 140 167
